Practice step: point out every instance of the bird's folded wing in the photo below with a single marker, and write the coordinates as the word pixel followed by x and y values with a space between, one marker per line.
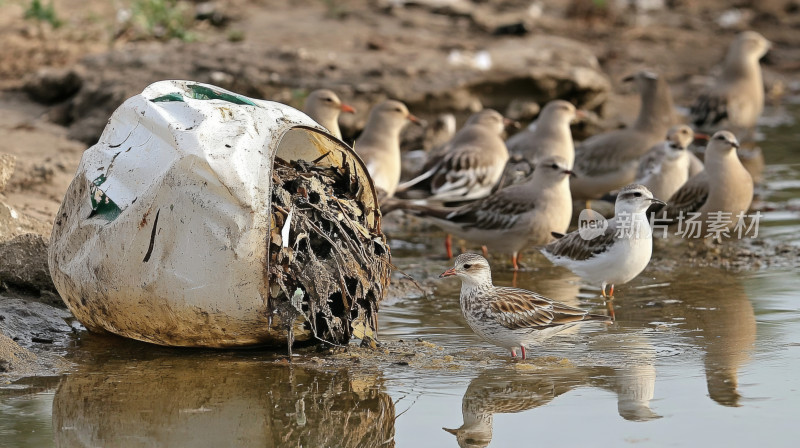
pixel 518 308
pixel 650 163
pixel 605 153
pixel 688 199
pixel 709 110
pixel 465 169
pixel 576 247
pixel 497 212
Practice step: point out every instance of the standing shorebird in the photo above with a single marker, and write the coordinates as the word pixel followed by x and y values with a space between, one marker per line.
pixel 513 217
pixel 613 255
pixel 379 144
pixel 470 164
pixel 548 136
pixel 324 107
pixel 717 196
pixel 736 99
pixel 608 161
pixel 509 317
pixel 665 168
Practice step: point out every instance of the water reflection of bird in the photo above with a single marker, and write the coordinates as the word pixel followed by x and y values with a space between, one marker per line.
pixel 505 392
pixel 634 381
pixel 727 323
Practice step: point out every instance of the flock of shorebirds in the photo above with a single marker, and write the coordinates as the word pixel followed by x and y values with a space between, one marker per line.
pixel 519 192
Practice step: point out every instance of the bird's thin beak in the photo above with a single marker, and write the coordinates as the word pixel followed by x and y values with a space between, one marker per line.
pixel 348 109
pixel 448 273
pixel 701 136
pixel 414 119
pixel 735 145
pixel 570 172
pixel 657 201
pixel 509 123
pixel 629 78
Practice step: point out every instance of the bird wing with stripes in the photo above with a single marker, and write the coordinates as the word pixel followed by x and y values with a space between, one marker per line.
pixel 575 247
pixel 709 110
pixel 517 308
pixel 496 212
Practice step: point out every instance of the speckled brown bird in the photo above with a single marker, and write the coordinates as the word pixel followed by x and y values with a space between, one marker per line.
pixel 509 317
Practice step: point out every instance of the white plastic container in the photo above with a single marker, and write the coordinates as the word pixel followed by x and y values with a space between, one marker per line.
pixel 163 234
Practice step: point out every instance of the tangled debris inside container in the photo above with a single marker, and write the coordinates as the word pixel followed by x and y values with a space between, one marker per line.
pixel 327 269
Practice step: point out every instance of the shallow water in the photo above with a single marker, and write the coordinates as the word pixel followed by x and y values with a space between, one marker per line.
pixel 698 356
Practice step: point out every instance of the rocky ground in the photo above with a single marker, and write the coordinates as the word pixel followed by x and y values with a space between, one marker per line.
pixel 59 84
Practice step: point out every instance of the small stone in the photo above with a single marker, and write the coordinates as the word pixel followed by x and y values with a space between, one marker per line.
pixel 24 263
pixel 7 164
pixel 50 85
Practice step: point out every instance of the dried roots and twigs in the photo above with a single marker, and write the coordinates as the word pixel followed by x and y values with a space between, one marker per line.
pixel 328 267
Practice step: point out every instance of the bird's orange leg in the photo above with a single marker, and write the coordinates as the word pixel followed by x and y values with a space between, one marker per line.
pixel 448 245
pixel 514 260
pixel 611 292
pixel 485 251
pixel 523 351
pixel 610 306
pixel 513 353
pixel 514 280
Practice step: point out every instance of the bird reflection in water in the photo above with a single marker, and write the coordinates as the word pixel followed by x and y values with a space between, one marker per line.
pixel 726 321
pixel 505 391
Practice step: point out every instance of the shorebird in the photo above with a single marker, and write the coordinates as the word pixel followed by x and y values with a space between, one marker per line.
pixel 513 217
pixel 613 255
pixel 436 135
pixel 470 164
pixel 324 107
pixel 736 99
pixel 718 195
pixel 509 317
pixel 608 161
pixel 379 144
pixel 665 168
pixel 549 135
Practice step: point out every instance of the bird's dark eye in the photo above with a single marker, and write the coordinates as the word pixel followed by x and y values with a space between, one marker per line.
pixel 554 166
pixel 467 266
pixel 637 194
pixel 398 110
pixel 330 100
pixel 720 137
